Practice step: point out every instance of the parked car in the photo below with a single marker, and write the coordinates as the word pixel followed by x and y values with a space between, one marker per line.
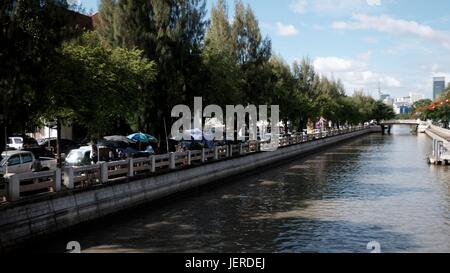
pixel 15 143
pixel 65 144
pixel 79 157
pixel 23 162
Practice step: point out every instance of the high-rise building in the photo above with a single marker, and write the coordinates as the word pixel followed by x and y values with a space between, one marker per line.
pixel 438 86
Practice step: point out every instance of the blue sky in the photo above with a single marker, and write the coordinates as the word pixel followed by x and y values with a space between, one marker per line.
pixel 400 43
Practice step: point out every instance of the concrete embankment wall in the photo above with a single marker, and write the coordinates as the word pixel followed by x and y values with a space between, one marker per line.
pixel 22 221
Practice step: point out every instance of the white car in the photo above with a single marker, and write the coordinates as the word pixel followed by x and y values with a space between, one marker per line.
pixel 79 157
pixel 423 126
pixel 15 143
pixel 23 162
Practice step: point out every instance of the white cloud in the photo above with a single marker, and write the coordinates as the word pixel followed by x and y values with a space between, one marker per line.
pixel 391 81
pixel 299 6
pixel 393 26
pixel 333 64
pixel 354 73
pixel 285 30
pixel 370 40
pixel 332 7
pixel 374 2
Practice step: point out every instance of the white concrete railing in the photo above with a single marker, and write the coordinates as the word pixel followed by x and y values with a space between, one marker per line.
pixel 444 133
pixel 21 184
pixel 15 186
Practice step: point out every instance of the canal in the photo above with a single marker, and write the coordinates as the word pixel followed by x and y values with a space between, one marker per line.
pixel 375 188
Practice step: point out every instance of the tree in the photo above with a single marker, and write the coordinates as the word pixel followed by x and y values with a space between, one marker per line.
pixel 30 33
pixel 222 72
pixel 252 54
pixel 169 32
pixel 305 88
pixel 96 85
pixel 420 109
pixel 382 111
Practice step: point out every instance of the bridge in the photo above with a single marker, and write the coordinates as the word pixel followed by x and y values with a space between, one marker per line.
pixel 387 124
pixel 400 122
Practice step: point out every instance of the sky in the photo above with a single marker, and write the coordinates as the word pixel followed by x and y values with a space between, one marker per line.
pixel 397 44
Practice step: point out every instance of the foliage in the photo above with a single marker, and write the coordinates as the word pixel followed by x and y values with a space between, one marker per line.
pixel 146 56
pixel 420 109
pixel 95 85
pixel 169 32
pixel 30 34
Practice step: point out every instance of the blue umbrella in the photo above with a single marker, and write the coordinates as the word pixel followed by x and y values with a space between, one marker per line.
pixel 143 138
pixel 152 138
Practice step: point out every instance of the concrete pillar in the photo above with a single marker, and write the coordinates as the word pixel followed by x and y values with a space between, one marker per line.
pixel 203 155
pixel 216 153
pixel 13 188
pixel 104 172
pixel 172 161
pixel 68 178
pixel 241 149
pixel 57 186
pixel 153 164
pixel 131 167
pixel 189 158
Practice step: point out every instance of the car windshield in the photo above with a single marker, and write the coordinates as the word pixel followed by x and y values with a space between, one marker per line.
pixel 2 161
pixel 75 157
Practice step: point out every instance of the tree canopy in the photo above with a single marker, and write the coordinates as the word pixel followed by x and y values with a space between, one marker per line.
pixel 146 56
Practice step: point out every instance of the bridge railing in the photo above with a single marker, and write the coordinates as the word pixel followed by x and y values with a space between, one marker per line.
pixel 400 122
pixel 14 187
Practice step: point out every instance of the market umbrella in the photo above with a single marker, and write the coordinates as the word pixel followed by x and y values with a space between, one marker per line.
pixel 143 138
pixel 152 139
pixel 118 139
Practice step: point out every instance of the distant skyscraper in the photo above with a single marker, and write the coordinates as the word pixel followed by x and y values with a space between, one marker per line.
pixel 438 86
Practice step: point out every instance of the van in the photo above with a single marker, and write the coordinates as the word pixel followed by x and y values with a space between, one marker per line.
pixel 15 143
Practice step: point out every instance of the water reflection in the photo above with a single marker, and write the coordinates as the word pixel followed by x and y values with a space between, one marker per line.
pixel 374 188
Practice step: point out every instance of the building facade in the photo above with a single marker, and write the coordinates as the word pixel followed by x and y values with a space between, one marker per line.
pixel 438 86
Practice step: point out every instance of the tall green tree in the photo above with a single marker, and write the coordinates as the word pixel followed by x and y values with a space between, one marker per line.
pixel 252 54
pixel 305 88
pixel 382 111
pixel 169 32
pixel 30 33
pixel 222 75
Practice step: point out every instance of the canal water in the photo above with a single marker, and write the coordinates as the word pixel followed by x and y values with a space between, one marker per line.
pixel 375 188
